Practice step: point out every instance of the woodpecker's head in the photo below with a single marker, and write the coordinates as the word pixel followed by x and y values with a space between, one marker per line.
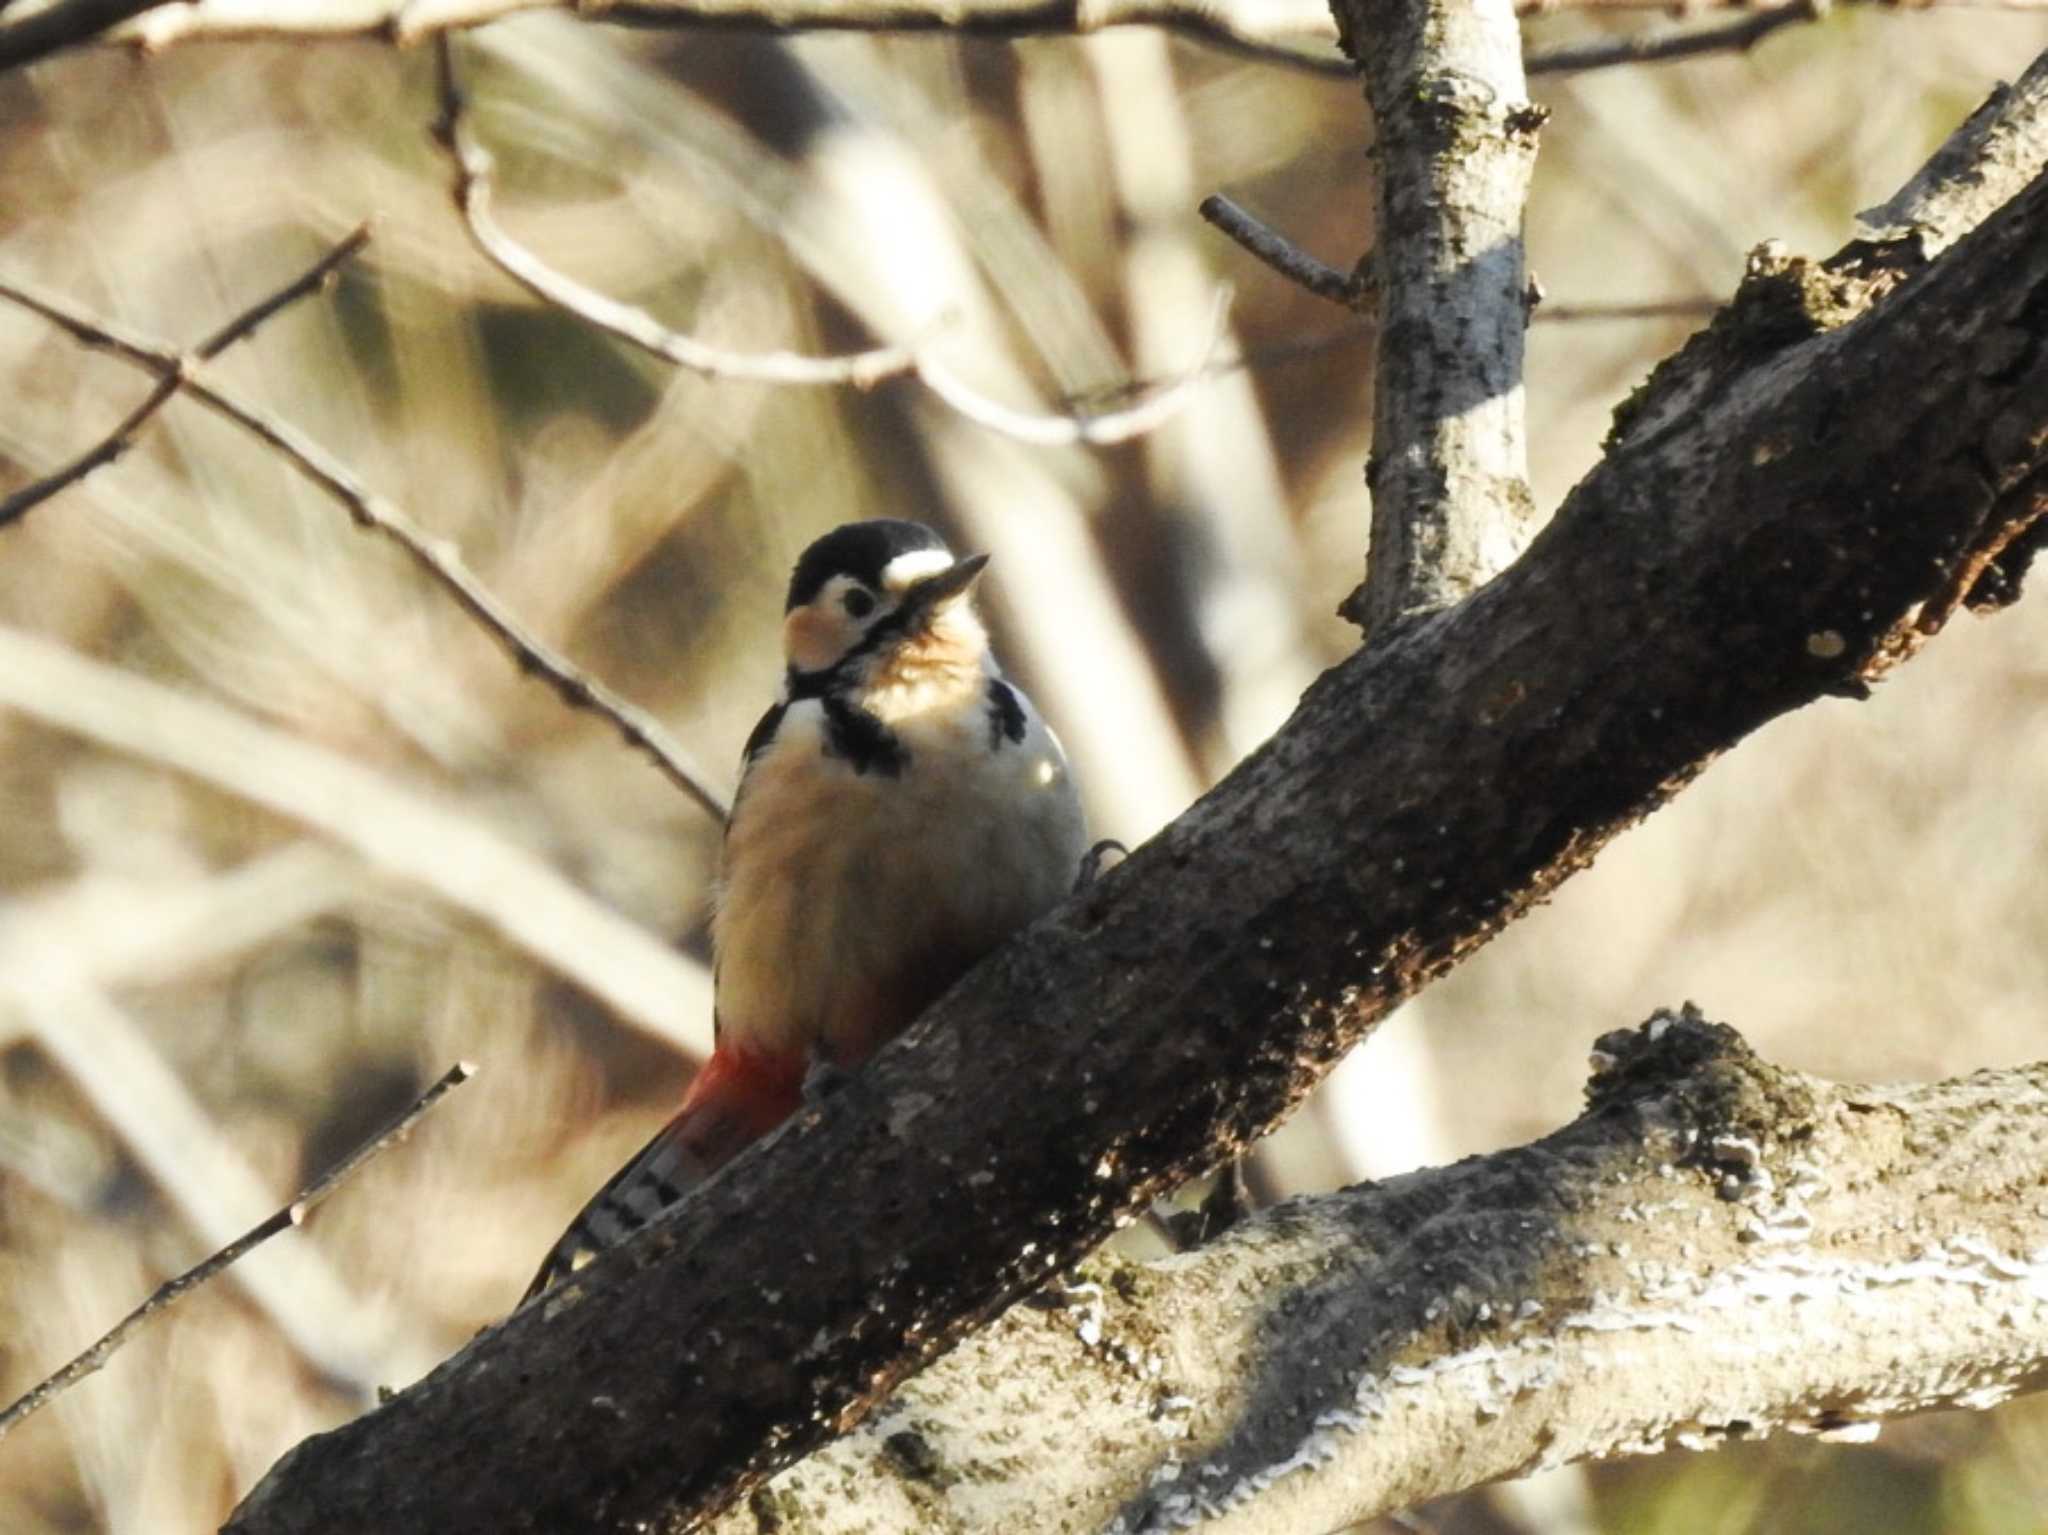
pixel 879 604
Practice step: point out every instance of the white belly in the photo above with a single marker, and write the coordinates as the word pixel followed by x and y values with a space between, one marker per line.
pixel 849 901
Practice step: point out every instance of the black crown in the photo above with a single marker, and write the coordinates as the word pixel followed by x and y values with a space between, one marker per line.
pixel 862 550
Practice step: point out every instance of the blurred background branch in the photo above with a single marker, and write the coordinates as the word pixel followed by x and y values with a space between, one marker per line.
pixel 456 857
pixel 438 557
pixel 1665 45
pixel 1260 34
pixel 860 369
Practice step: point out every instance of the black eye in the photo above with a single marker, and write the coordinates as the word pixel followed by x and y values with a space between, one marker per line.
pixel 858 603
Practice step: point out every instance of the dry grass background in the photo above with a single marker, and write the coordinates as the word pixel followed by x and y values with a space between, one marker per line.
pixel 281 836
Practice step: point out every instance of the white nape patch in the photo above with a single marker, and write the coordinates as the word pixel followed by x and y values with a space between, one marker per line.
pixel 901 572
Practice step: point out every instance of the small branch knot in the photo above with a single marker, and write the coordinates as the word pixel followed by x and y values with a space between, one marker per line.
pixel 1665 1051
pixel 1700 1079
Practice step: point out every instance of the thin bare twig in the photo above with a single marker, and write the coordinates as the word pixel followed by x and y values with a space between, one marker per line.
pixel 1302 348
pixel 473 171
pixel 1657 309
pixel 1326 281
pixel 172 1291
pixel 406 23
pixel 1277 354
pixel 312 280
pixel 153 25
pixel 1280 253
pixel 1664 47
pixel 117 442
pixel 1098 431
pixel 437 557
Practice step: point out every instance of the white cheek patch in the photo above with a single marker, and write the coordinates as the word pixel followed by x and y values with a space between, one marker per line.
pixel 900 572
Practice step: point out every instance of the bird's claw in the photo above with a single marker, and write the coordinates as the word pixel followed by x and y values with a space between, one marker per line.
pixel 1228 1201
pixel 1098 861
pixel 823 1076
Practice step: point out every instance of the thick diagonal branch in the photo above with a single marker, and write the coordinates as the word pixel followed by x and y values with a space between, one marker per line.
pixel 1867 430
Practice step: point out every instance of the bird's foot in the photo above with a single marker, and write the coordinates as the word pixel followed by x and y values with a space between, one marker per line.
pixel 1099 860
pixel 1228 1201
pixel 823 1076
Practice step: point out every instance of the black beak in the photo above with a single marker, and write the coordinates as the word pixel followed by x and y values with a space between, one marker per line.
pixel 934 592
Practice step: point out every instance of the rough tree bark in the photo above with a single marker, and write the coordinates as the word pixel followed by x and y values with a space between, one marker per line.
pixel 1456 146
pixel 1862 442
pixel 1715 1250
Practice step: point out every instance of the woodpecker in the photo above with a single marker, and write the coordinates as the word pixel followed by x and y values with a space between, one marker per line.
pixel 902 809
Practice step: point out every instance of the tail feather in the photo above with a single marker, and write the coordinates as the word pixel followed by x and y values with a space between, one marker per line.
pixel 732 1102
